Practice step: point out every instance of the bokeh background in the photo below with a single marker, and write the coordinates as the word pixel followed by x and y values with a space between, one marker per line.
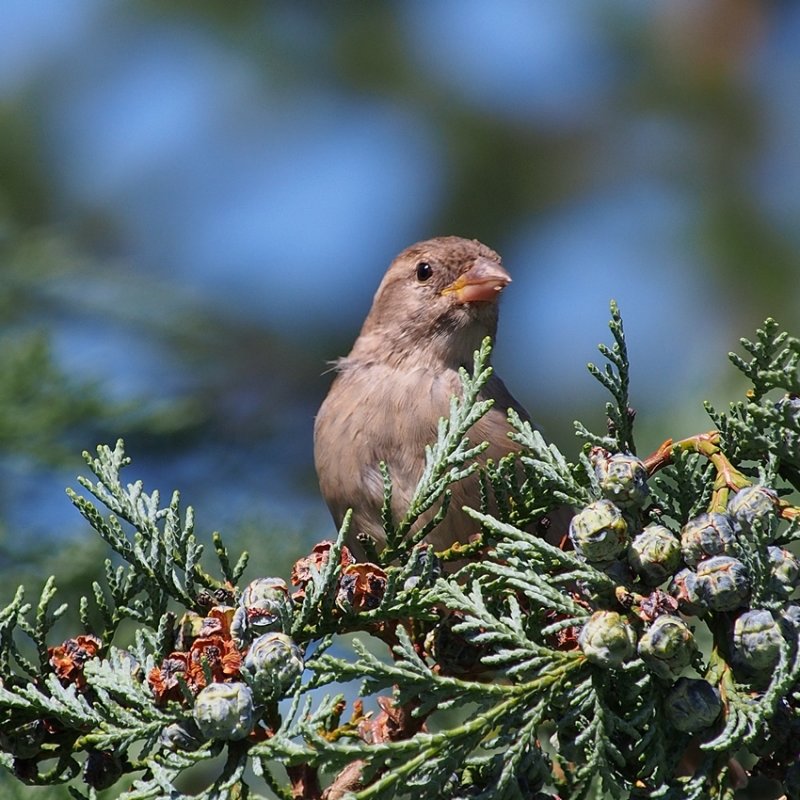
pixel 198 199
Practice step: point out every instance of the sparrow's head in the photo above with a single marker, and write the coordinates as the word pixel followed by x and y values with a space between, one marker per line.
pixel 438 299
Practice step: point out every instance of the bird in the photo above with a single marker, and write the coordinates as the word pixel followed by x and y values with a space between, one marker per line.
pixel 435 305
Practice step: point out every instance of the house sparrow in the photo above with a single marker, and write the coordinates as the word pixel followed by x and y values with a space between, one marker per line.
pixel 433 308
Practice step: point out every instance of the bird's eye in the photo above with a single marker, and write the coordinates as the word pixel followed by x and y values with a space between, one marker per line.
pixel 424 271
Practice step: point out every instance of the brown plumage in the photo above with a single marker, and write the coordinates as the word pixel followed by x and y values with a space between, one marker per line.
pixel 434 306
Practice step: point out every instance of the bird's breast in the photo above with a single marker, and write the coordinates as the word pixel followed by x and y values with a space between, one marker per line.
pixel 376 414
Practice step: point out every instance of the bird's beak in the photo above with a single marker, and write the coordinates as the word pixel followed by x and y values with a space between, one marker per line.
pixel 482 282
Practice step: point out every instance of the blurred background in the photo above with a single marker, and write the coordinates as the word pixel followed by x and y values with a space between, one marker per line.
pixel 198 200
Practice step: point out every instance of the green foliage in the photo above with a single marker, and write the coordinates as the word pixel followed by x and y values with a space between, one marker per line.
pixel 614 377
pixel 478 682
pixel 163 554
pixel 762 428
